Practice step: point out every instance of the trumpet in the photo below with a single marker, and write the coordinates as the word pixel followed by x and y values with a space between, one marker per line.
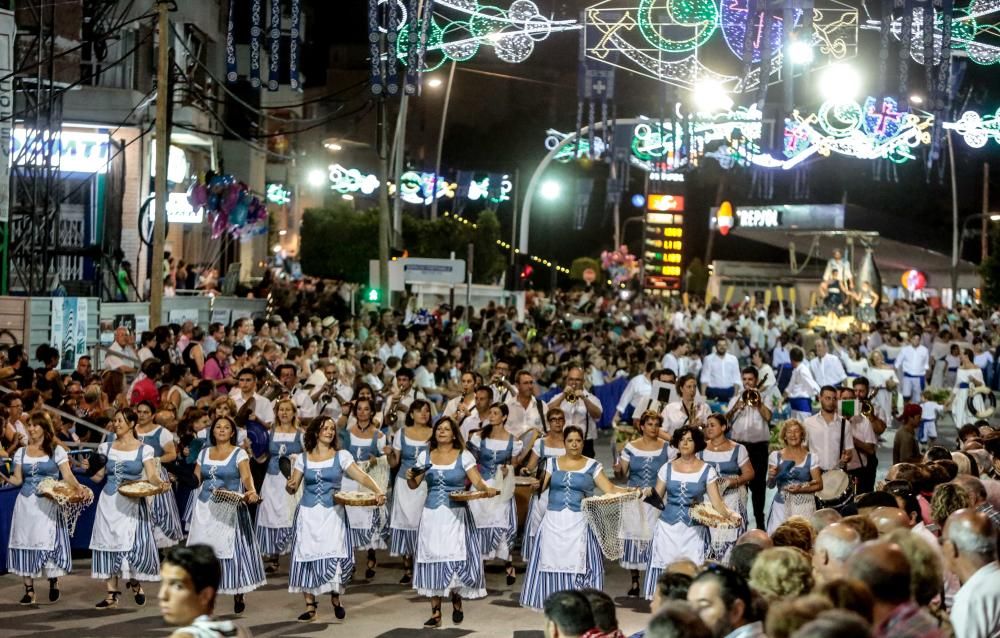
pixel 571 396
pixel 750 397
pixel 866 408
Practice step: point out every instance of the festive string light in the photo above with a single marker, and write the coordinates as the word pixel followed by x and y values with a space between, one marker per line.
pixel 977 129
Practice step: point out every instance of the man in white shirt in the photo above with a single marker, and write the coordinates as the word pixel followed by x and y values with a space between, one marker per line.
pixel 780 354
pixel 526 416
pixel 246 390
pixel 801 387
pixel 912 362
pixel 472 420
pixel 423 379
pixel 400 399
pixel 865 447
pixel 639 386
pixel 826 368
pixel 748 425
pixel 500 382
pixel 325 383
pixel 720 374
pixel 679 321
pixel 969 543
pixel 392 347
pixel 304 406
pixel 676 359
pixel 121 355
pixel 584 412
pixel 829 435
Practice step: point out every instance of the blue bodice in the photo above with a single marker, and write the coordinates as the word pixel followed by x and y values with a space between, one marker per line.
pixel 441 483
pixel 225 476
pixel 152 439
pixel 642 469
pixel 364 451
pixel 681 495
pixel 320 483
pixel 278 449
pixel 120 471
pixel 408 453
pixel 796 475
pixel 728 468
pixel 490 459
pixel 35 471
pixel 568 488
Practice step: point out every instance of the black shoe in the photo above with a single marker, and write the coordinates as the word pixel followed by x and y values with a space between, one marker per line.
pixel 635 588
pixel 457 615
pixel 239 604
pixel 435 619
pixel 372 564
pixel 338 609
pixel 309 613
pixel 511 575
pixel 53 590
pixel 110 601
pixel 140 595
pixel 272 568
pixel 407 579
pixel 29 596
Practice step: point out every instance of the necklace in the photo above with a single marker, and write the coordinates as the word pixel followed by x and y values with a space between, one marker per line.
pixel 715 447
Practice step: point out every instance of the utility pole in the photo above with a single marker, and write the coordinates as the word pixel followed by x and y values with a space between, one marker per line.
pixel 444 122
pixel 986 214
pixel 384 218
pixel 162 153
pixel 955 234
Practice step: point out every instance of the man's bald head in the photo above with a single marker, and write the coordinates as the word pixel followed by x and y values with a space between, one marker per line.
pixel 756 537
pixel 823 517
pixel 889 519
pixel 973 536
pixel 834 544
pixel 884 568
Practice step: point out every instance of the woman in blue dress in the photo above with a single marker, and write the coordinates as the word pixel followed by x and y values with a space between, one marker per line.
pixel 682 483
pixel 566 554
pixel 167 529
pixel 640 460
pixel 544 448
pixel 39 535
pixel 366 443
pixel 274 514
pixel 448 559
pixel 732 463
pixel 495 450
pixel 122 542
pixel 793 471
pixel 322 557
pixel 406 503
pixel 224 466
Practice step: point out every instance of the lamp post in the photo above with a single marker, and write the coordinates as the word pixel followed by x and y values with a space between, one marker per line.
pixel 440 144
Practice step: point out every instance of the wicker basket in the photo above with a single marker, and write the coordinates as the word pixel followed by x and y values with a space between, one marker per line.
pixel 141 489
pixel 355 499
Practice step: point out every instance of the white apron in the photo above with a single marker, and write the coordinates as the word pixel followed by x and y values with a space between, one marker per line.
pixel 115 523
pixel 277 506
pixel 214 524
pixel 36 527
pixel 562 542
pixel 441 538
pixel 491 512
pixel 320 533
pixel 358 517
pixel 407 504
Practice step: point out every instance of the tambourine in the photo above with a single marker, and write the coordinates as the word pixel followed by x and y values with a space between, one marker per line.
pixel 469 495
pixel 705 514
pixel 981 402
pixel 356 499
pixel 141 489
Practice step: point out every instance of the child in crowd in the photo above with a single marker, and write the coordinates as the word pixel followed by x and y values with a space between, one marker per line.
pixel 927 432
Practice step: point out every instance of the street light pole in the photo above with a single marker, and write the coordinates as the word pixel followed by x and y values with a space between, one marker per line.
pixel 954 223
pixel 444 122
pixel 162 155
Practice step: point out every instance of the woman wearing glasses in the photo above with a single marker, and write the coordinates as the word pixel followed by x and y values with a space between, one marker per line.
pixel 163 507
pixel 274 516
pixel 544 448
pixel 406 503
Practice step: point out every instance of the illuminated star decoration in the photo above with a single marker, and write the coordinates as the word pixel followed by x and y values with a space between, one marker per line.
pixel 460 27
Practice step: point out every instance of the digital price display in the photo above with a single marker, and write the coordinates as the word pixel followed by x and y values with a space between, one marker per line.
pixel 664 242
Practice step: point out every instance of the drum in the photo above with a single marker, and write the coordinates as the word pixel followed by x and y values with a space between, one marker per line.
pixel 524 487
pixel 981 402
pixel 837 489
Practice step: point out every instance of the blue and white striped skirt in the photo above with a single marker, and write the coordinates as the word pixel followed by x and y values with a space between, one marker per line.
pixel 373 537
pixel 324 576
pixel 635 554
pixel 274 541
pixel 244 572
pixel 673 542
pixel 167 529
pixel 498 542
pixel 189 508
pixel 141 562
pixel 539 585
pixel 44 563
pixel 402 542
pixel 464 577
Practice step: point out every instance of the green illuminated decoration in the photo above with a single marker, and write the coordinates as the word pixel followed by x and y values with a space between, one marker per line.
pixel 700 15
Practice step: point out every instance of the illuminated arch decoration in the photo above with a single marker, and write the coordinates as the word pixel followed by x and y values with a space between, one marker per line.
pixel 734 29
pixel 459 29
pixel 666 39
pixel 975 29
pixel 977 129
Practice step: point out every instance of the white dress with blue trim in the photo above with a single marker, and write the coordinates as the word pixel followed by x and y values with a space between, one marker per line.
pixel 368 524
pixel 322 556
pixel 566 554
pixel 642 468
pixel 727 464
pixel 677 537
pixel 277 507
pixel 539 501
pixel 121 541
pixel 407 504
pixel 789 473
pixel 496 522
pixel 167 529
pixel 39 538
pixel 230 535
pixel 448 558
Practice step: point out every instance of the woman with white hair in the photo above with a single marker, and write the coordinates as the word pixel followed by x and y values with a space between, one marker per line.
pixel 796 475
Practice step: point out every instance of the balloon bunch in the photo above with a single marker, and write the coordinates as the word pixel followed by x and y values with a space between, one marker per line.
pixel 229 205
pixel 620 264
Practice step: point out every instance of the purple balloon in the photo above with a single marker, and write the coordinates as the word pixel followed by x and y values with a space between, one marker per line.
pixel 230 199
pixel 198 195
pixel 219 225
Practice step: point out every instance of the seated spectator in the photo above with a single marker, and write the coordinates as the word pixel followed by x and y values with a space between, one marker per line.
pixel 835 623
pixel 567 615
pixel 781 573
pixel 850 594
pixel 723 600
pixel 677 620
pixel 970 548
pixel 603 610
pixel 785 616
pixel 833 545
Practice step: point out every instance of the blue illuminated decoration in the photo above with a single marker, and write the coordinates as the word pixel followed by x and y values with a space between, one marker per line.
pixel 278 194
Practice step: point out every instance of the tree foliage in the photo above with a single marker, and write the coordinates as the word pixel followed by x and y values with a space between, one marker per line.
pixel 338 242
pixel 580 264
pixel 697 277
pixel 989 270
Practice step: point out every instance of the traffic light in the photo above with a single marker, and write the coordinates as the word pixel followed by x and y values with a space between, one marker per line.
pixel 527 271
pixel 374 296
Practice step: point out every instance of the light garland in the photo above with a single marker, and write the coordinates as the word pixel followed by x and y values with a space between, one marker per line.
pixel 977 129
pixel 416 187
pixel 734 29
pixel 351 180
pixel 501 243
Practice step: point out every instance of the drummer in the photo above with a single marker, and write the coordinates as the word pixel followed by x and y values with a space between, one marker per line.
pixel 829 435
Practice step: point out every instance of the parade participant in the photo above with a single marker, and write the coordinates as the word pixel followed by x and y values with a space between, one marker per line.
pixel 968 376
pixel 867 300
pixel 854 364
pixel 793 471
pixel 864 459
pixel 122 538
pixel 274 514
pixel 884 382
pixel 912 363
pixel 826 368
pixel 246 391
pixel 582 409
pixel 224 466
pixel 322 557
pixel 688 411
pixel 472 420
pixel 682 483
pixel 527 412
pixel 640 460
pixel 495 450
pixel 720 373
pixel 167 529
pixel 500 382
pixel 407 504
pixel 305 407
pixel 467 399
pixel 801 387
pixel 829 436
pixel 366 443
pixel 39 535
pixel 400 398
pixel 549 446
pixel 448 560
pixel 750 428
pixel 731 463
pixel 676 359
pixel 566 554
pixel 930 410
pixel 767 380
pixel 191 578
pixel 641 385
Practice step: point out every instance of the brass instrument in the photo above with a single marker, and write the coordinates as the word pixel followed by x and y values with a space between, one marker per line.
pixel 272 388
pixel 751 397
pixel 571 396
pixel 866 408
